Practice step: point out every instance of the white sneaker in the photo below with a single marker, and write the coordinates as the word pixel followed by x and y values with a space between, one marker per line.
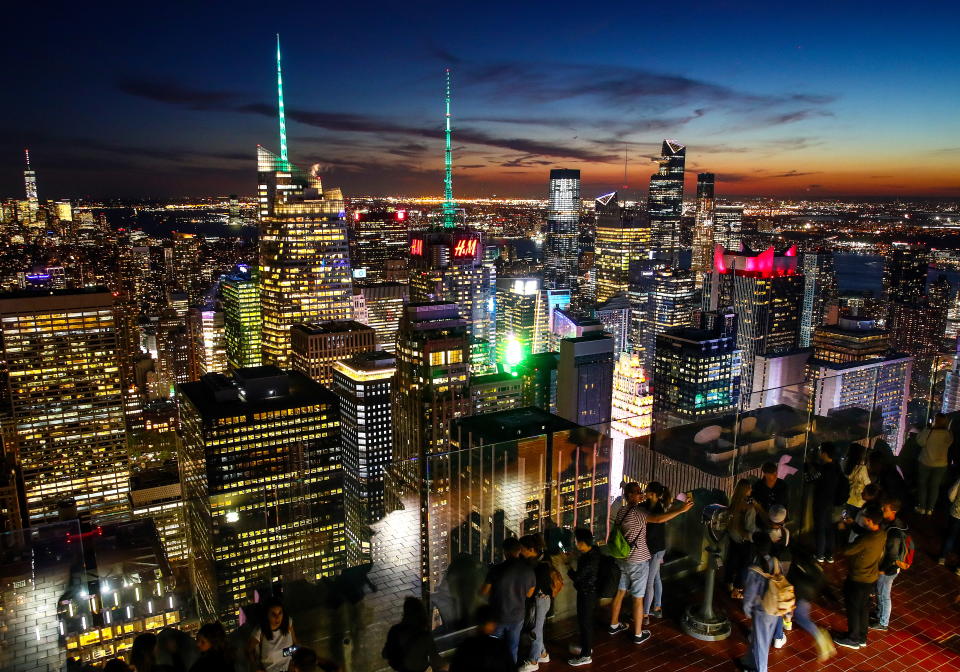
pixel 529 667
pixel 545 657
pixel 580 660
pixel 780 642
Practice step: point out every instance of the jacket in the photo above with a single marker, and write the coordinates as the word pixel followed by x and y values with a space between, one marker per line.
pixel 865 555
pixel 954 495
pixel 585 576
pixel 896 538
pixel 934 446
pixel 807 578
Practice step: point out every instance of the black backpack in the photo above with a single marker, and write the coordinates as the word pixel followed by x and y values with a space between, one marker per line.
pixel 608 577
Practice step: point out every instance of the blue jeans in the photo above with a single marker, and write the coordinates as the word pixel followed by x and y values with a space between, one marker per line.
pixel 801 617
pixel 654 590
pixel 510 633
pixel 884 603
pixel 764 626
pixel 953 536
pixel 541 605
pixel 928 486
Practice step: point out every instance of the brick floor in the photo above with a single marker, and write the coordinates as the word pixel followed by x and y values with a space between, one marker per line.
pixel 924 633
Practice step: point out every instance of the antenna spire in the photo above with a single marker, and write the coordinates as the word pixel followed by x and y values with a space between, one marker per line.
pixel 449 206
pixel 283 118
pixel 26 153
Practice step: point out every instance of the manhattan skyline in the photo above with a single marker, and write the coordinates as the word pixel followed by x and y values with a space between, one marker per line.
pixel 814 103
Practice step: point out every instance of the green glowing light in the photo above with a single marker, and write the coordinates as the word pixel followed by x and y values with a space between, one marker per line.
pixel 513 353
pixel 449 205
pixel 283 118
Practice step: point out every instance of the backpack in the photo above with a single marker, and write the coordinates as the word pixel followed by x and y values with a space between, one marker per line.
pixel 908 550
pixel 617 546
pixel 556 581
pixel 842 494
pixel 778 597
pixel 608 577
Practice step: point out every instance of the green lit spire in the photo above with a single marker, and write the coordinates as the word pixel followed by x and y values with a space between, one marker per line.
pixel 449 205
pixel 283 118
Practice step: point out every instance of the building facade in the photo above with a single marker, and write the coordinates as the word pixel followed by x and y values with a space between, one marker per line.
pixel 242 321
pixel 562 234
pixel 315 347
pixel 665 202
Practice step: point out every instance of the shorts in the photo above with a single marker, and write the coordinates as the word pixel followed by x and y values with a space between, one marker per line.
pixel 633 577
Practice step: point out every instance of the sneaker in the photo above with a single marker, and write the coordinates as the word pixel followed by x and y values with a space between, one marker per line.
pixel 529 667
pixel 646 620
pixel 830 559
pixel 941 561
pixel 780 642
pixel 545 657
pixel 619 627
pixel 821 559
pixel 825 648
pixel 846 643
pixel 642 637
pixel 878 626
pixel 580 660
pixel 657 613
pixel 787 624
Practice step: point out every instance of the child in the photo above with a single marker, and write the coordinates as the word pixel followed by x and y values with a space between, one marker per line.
pixel 584 579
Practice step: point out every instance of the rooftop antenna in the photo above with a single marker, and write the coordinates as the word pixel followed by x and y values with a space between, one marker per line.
pixel 283 118
pixel 449 206
pixel 625 185
pixel 26 153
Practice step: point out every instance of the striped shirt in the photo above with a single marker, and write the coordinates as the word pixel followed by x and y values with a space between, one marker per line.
pixel 633 523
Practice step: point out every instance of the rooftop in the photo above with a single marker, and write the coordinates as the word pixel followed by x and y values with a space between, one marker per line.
pixel 331 327
pixel 512 424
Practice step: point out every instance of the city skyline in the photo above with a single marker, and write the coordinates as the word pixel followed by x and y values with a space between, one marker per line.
pixel 779 119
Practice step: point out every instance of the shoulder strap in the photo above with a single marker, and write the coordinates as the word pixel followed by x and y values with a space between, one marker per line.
pixel 636 510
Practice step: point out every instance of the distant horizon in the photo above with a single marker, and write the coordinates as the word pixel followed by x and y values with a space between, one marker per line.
pixel 777 102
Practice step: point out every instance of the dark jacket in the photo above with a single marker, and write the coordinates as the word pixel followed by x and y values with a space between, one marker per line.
pixel 896 539
pixel 865 555
pixel 541 570
pixel 482 653
pixel 212 661
pixel 826 479
pixel 807 578
pixel 766 496
pixel 585 576
pixel 410 649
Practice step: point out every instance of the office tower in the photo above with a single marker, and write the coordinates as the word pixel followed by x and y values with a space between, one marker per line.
pixel 156 495
pixel 727 227
pixel 382 306
pixel 185 265
pixel 614 315
pixel 539 375
pixel 665 202
pixel 242 322
pixel 316 346
pixel 64 210
pixel 563 230
pixel 61 401
pixel 432 385
pixel 765 290
pixel 642 274
pixel 585 378
pixel 918 326
pixel 548 301
pixel 632 399
pixel 819 286
pixel 905 273
pixel 670 304
pixel 696 376
pixel 778 378
pixel 30 186
pixel 878 387
pixel 260 462
pixel 377 238
pixel 208 335
pixel 516 315
pixel 446 265
pixel 304 262
pixel 850 340
pixel 703 224
pixel 951 384
pixel 496 392
pixel 176 360
pixel 364 384
pixel 622 238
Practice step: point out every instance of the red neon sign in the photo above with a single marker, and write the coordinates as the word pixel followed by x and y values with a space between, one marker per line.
pixel 416 247
pixel 465 247
pixel 401 215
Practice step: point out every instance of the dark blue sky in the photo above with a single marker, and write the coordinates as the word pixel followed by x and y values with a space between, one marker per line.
pixel 168 100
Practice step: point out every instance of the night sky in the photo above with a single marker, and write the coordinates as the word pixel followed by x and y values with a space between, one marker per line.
pixel 168 99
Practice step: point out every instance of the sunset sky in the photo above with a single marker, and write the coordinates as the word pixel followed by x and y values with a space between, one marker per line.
pixel 817 99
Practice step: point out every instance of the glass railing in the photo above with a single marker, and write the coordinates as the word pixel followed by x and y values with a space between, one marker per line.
pixel 72 594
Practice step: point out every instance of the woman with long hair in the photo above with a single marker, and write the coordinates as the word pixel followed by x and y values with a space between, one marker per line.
pixel 214 653
pixel 410 646
pixel 275 636
pixel 740 529
pixel 659 500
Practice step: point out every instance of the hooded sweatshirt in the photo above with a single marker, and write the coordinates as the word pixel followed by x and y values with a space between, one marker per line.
pixel 896 538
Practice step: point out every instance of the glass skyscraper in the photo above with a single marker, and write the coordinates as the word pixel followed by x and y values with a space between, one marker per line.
pixel 703 228
pixel 563 229
pixel 665 202
pixel 622 237
pixel 243 323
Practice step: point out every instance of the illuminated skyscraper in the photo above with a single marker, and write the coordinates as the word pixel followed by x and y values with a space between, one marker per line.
pixel 632 400
pixel 850 340
pixel 703 228
pixel 818 290
pixel 496 392
pixel 209 343
pixel 905 273
pixel 585 378
pixel 446 264
pixel 517 300
pixel 315 347
pixel 61 401
pixel 670 304
pixel 727 226
pixel 765 290
pixel 377 238
pixel 381 305
pixel 432 385
pixel 622 238
pixel 30 185
pixel 184 267
pixel 260 462
pixel 665 202
pixel 364 384
pixel 304 260
pixel 563 230
pixel 548 301
pixel 242 322
pixel 614 315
